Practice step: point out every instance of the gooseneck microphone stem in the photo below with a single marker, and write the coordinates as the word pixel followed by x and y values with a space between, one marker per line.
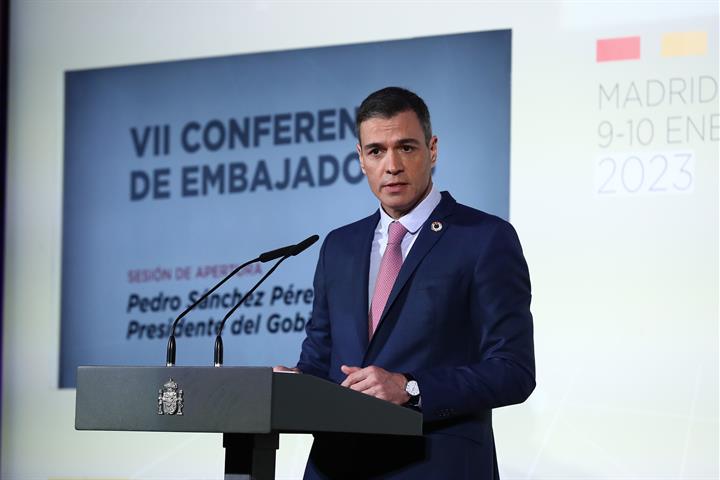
pixel 218 354
pixel 285 253
pixel 218 285
pixel 170 355
pixel 263 257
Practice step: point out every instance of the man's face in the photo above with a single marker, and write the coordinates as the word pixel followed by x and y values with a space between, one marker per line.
pixel 397 161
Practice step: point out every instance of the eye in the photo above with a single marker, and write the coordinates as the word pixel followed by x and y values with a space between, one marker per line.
pixel 407 148
pixel 374 151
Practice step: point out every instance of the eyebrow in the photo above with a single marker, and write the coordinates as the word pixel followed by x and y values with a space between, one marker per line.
pixel 405 141
pixel 402 141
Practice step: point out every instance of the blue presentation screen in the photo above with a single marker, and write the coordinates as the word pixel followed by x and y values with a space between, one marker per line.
pixel 177 172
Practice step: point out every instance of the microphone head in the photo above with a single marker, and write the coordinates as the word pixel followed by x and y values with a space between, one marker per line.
pixel 277 253
pixel 305 244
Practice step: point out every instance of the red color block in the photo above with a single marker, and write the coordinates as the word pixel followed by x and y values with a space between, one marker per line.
pixel 611 49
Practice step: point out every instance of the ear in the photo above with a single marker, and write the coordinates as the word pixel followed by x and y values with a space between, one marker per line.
pixel 433 150
pixel 360 156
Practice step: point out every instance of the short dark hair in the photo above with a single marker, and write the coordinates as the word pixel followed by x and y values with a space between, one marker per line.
pixel 388 102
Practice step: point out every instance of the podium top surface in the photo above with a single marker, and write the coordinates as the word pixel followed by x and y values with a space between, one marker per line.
pixel 229 400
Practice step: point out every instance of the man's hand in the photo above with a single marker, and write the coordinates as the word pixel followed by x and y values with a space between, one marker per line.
pixel 281 368
pixel 376 382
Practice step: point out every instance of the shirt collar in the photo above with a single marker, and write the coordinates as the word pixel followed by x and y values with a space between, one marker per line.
pixel 415 218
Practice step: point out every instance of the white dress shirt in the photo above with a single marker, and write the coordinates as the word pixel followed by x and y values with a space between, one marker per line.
pixel 412 221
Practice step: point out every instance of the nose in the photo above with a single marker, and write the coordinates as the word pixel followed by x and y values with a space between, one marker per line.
pixel 393 164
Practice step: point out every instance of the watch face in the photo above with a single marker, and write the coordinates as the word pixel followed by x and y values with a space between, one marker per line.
pixel 412 388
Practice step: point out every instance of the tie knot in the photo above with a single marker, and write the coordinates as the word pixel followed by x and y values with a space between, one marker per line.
pixel 396 232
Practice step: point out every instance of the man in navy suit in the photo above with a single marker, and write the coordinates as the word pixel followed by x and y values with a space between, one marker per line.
pixel 425 303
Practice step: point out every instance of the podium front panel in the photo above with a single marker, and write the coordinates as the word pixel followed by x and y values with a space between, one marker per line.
pixel 174 399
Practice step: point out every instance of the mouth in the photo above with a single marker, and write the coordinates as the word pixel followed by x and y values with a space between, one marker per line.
pixel 394 185
pixel 394 188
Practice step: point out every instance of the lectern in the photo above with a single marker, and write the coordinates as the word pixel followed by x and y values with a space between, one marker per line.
pixel 250 406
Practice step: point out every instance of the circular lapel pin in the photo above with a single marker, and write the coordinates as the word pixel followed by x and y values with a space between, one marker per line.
pixel 436 226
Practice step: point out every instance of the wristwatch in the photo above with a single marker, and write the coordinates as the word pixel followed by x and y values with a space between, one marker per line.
pixel 412 389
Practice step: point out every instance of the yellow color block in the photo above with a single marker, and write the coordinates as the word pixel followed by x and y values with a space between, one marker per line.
pixel 680 44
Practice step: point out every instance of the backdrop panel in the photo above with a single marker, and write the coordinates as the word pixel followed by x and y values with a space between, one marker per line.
pixel 176 172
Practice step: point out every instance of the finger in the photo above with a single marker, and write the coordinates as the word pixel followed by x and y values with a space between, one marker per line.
pixel 347 370
pixel 357 375
pixel 350 380
pixel 284 369
pixel 379 391
pixel 363 385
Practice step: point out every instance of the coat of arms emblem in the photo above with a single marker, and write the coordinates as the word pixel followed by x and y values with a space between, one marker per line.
pixel 170 399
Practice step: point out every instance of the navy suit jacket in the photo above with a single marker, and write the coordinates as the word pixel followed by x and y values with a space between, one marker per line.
pixel 458 319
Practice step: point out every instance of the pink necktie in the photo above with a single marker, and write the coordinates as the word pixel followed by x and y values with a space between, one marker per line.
pixel 389 267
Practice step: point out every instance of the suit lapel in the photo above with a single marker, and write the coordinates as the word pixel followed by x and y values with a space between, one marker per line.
pixel 427 238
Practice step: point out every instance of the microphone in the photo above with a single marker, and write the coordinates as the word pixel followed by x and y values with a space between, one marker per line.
pixel 285 252
pixel 263 257
pixel 290 250
pixel 305 244
pixel 277 253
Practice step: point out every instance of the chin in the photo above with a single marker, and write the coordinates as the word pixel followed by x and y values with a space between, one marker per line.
pixel 396 203
pixel 404 208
